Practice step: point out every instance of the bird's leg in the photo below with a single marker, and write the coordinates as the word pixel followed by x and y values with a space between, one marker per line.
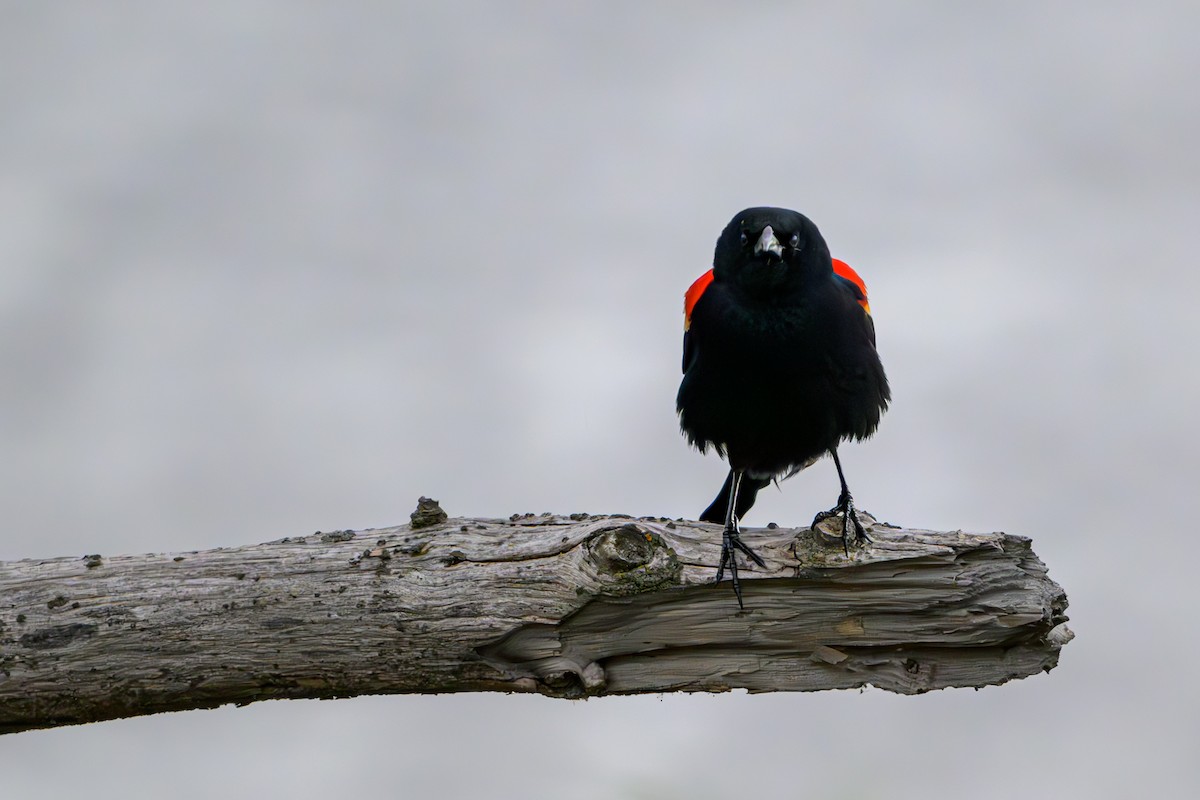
pixel 852 529
pixel 731 540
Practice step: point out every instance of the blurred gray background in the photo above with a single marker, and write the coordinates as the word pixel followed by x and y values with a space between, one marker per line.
pixel 268 268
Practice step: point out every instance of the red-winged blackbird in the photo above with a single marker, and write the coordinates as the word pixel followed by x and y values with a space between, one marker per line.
pixel 779 365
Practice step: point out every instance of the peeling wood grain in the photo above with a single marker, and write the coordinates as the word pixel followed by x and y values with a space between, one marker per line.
pixel 571 607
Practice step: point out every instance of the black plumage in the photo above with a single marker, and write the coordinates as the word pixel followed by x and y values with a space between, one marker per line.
pixel 779 364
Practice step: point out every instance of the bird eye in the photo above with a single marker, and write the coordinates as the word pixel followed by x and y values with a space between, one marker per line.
pixel 745 239
pixel 794 242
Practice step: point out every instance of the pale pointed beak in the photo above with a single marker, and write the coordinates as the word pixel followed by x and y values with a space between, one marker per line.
pixel 767 243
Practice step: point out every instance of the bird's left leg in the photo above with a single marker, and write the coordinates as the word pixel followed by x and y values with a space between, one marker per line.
pixel 852 529
pixel 731 539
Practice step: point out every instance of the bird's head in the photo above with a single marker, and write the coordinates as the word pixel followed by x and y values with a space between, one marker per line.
pixel 770 250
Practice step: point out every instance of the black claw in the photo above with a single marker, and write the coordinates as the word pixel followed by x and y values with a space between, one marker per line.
pixel 724 560
pixel 740 545
pixel 852 529
pixel 731 542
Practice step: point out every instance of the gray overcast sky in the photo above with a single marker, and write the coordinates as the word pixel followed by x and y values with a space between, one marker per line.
pixel 268 268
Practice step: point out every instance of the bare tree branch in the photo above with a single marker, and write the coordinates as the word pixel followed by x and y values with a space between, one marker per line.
pixel 568 607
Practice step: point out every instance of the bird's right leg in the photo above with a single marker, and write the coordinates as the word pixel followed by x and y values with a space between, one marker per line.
pixel 731 539
pixel 852 529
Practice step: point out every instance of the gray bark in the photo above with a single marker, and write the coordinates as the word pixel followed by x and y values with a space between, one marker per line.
pixel 568 607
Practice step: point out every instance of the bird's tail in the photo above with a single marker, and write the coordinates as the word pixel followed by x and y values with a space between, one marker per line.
pixel 747 493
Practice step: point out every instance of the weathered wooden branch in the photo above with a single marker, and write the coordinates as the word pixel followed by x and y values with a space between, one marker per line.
pixel 568 607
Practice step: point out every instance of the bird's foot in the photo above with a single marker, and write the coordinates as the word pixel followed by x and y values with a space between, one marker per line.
pixel 731 542
pixel 852 529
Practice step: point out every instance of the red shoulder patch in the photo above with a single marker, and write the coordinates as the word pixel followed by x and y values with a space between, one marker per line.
pixel 844 270
pixel 693 295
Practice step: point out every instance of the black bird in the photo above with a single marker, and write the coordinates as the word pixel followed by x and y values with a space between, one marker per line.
pixel 779 366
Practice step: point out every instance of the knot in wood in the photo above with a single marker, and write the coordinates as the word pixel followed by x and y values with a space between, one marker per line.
pixel 630 559
pixel 428 513
pixel 621 549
